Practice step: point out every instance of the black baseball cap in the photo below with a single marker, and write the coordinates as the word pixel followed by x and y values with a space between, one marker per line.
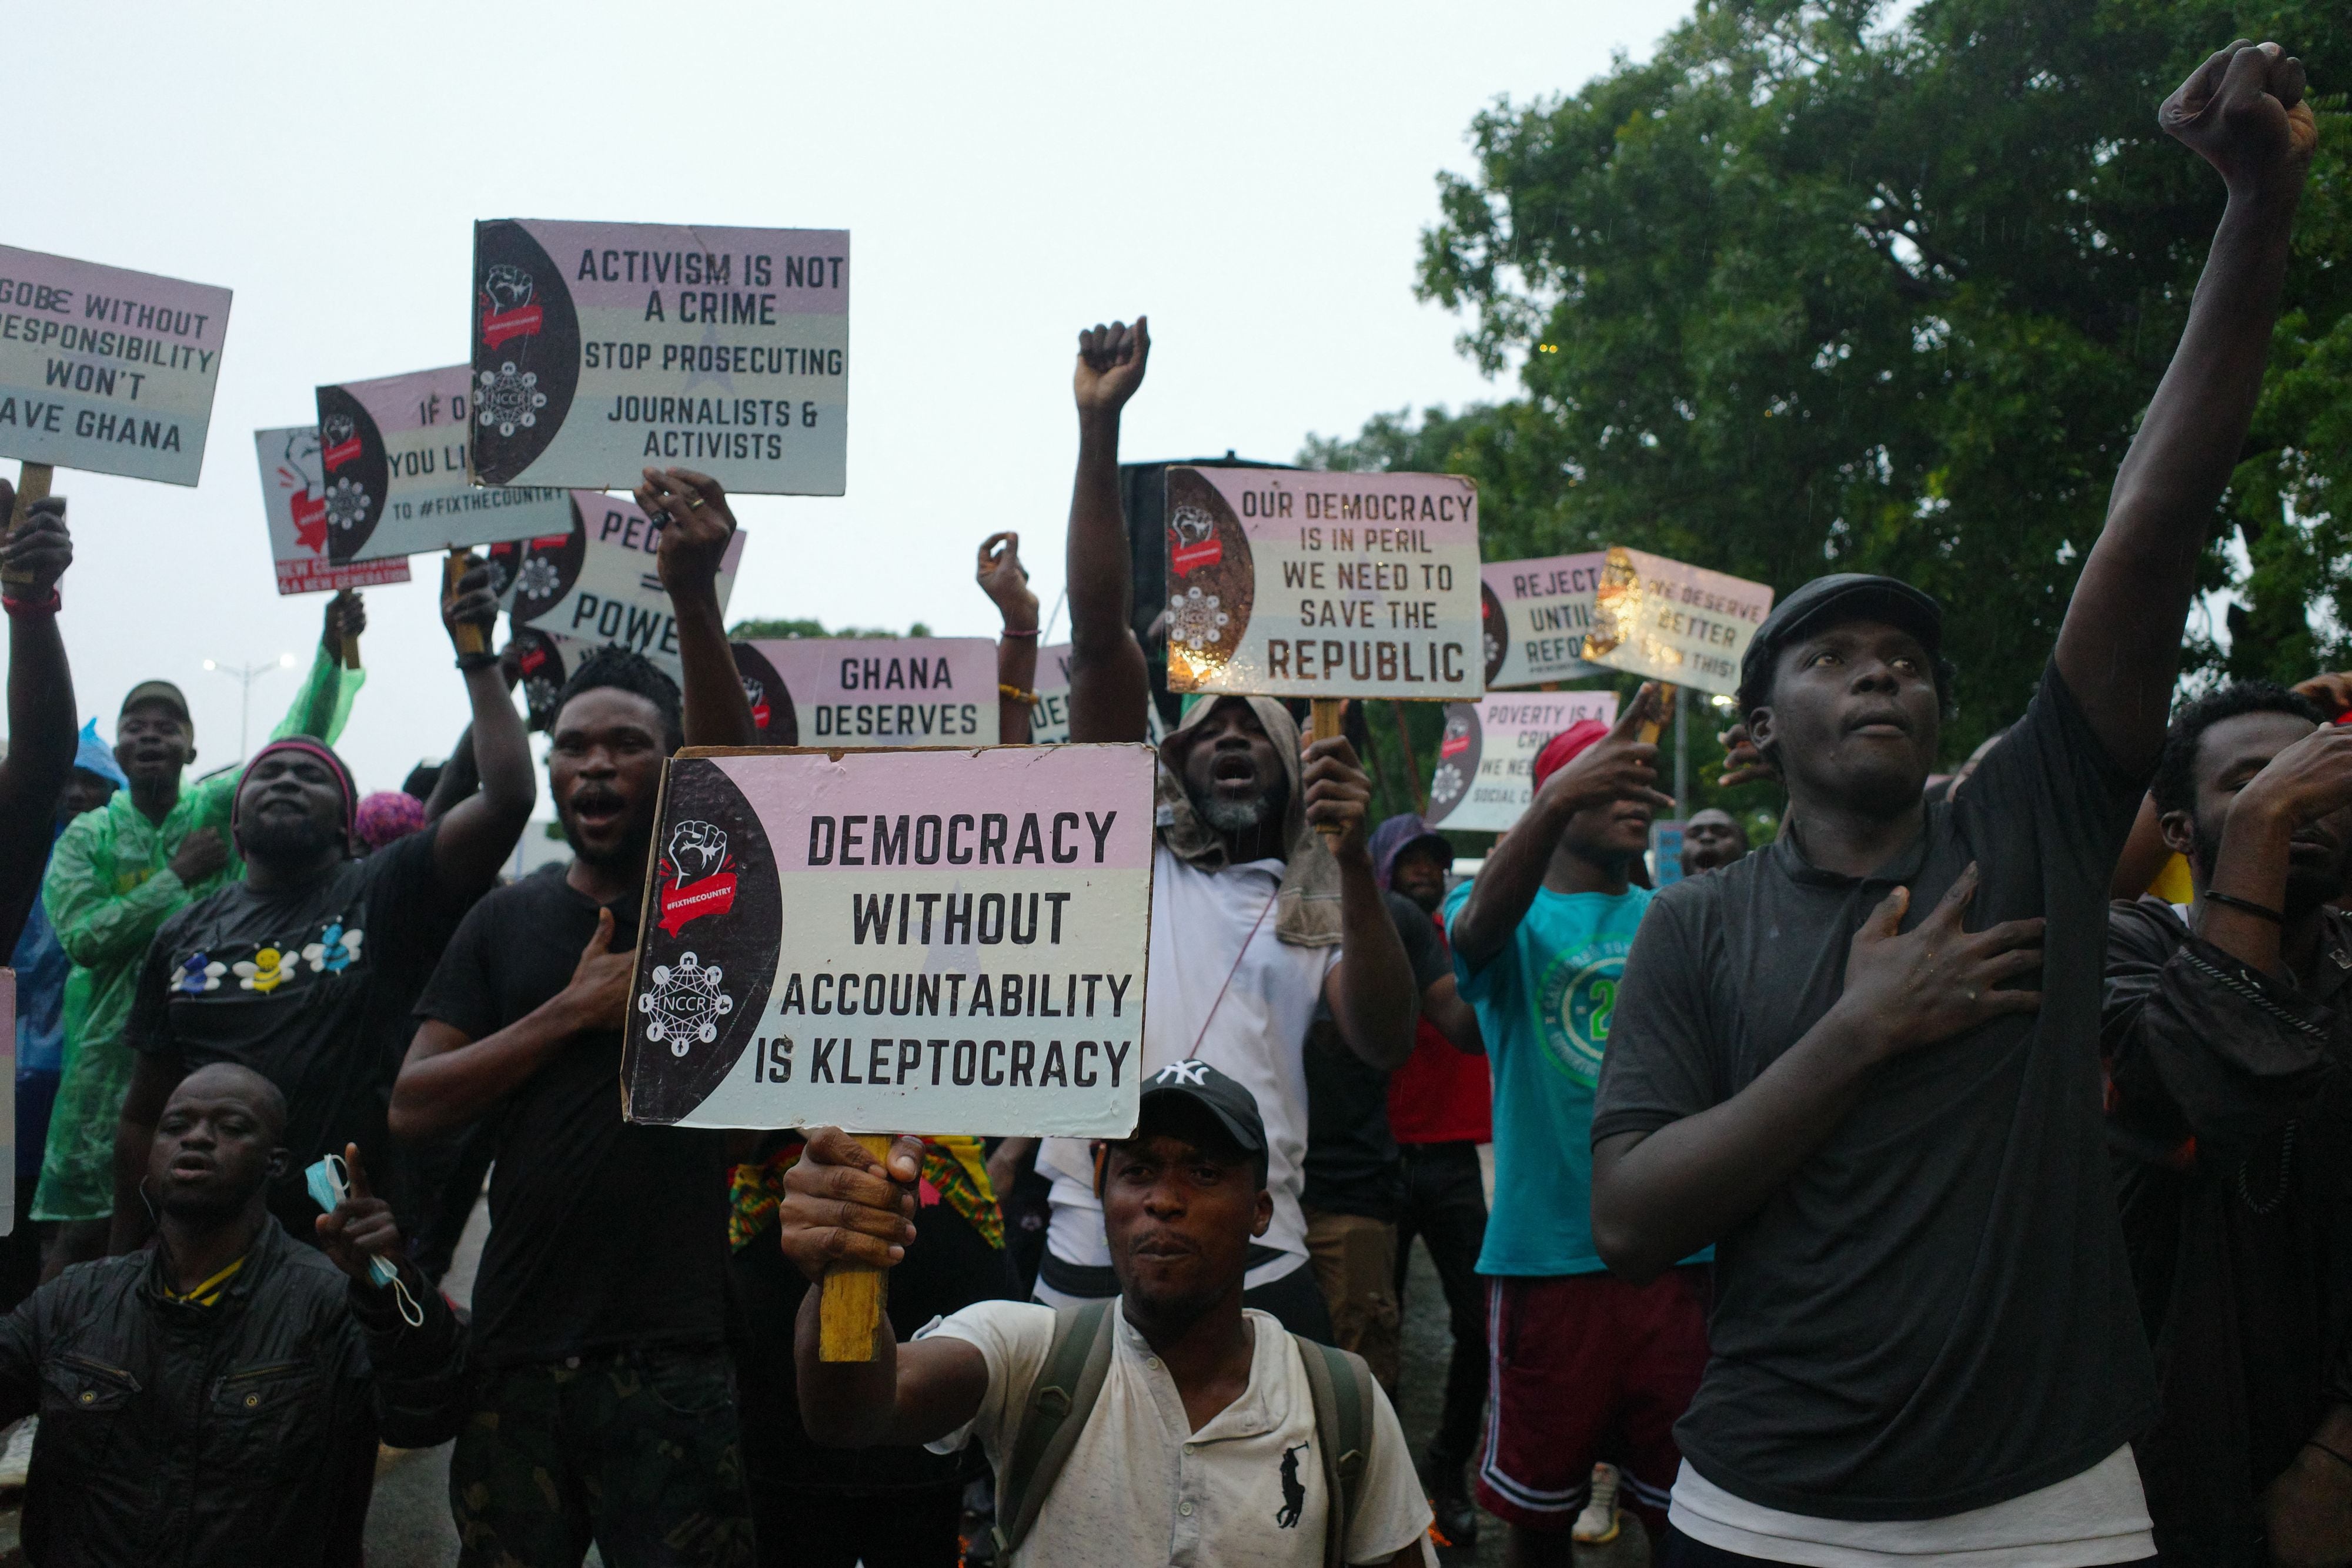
pixel 1841 596
pixel 163 691
pixel 1235 1107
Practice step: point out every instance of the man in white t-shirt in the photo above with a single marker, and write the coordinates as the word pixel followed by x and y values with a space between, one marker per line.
pixel 1255 918
pixel 1200 1443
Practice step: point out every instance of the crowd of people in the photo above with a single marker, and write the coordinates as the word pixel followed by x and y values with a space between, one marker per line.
pixel 1964 1175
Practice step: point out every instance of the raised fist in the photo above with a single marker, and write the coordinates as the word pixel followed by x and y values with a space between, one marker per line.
pixel 2243 111
pixel 696 850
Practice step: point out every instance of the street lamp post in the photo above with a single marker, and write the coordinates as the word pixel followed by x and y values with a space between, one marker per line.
pixel 245 675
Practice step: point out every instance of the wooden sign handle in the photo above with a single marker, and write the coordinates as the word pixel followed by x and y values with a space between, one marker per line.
pixel 849 1306
pixel 32 485
pixel 1648 731
pixel 468 637
pixel 1327 720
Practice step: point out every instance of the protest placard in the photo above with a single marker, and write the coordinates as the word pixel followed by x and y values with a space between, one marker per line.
pixel 1284 583
pixel 600 350
pixel 1486 757
pixel 964 952
pixel 1049 716
pixel 294 500
pixel 105 370
pixel 394 452
pixel 1536 614
pixel 1671 621
pixel 599 583
pixel 873 691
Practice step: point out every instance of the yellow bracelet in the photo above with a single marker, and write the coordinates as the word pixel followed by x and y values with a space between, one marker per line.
pixel 1017 694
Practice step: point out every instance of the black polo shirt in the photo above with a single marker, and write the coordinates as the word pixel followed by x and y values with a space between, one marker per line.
pixel 1935 1313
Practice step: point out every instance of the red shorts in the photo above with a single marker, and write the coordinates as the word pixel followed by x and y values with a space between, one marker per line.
pixel 1586 1367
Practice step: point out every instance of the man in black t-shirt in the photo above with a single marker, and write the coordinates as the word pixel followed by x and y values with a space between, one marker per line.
pixel 303 968
pixel 1353 1180
pixel 1833 1059
pixel 602 1407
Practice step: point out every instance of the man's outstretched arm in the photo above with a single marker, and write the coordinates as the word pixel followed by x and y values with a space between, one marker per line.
pixel 1109 681
pixel 697 527
pixel 42 730
pixel 2120 649
pixel 472 840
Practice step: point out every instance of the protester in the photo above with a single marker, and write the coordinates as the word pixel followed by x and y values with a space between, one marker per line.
pixel 815 1506
pixel 218 1398
pixel 1255 916
pixel 115 877
pixel 588 1361
pixel 303 968
pixel 1201 1441
pixel 1351 1175
pixel 2229 1049
pixel 1006 582
pixel 1586 1367
pixel 1440 1110
pixel 1712 838
pixel 42 971
pixel 1825 1057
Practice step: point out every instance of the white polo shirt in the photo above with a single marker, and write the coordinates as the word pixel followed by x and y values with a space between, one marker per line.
pixel 1206 926
pixel 1245 1492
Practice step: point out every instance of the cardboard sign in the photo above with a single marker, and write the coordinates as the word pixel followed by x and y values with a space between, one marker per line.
pixel 964 950
pixel 394 455
pixel 1485 760
pixel 1670 621
pixel 106 370
pixel 600 350
pixel 1536 614
pixel 294 498
pixel 1666 852
pixel 598 583
pixel 1323 585
pixel 1049 716
pixel 872 691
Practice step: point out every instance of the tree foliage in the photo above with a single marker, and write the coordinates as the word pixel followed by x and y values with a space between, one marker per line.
pixel 1805 293
pixel 773 630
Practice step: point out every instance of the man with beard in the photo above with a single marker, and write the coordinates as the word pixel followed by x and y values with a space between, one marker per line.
pixel 116 876
pixel 2228 1047
pixel 1712 838
pixel 304 967
pixel 1255 916
pixel 602 1407
pixel 218 1398
pixel 1585 1367
pixel 1864 1061
pixel 1199 1440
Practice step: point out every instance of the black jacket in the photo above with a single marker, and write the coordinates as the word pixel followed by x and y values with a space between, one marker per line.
pixel 243 1433
pixel 2229 1123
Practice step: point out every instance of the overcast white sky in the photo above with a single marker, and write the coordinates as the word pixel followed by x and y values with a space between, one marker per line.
pixel 1254 176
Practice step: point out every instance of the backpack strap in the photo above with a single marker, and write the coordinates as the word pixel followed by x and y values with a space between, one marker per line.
pixel 1063 1396
pixel 1341 1386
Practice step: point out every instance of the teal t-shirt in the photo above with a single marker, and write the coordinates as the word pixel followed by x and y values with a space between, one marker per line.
pixel 1545 1004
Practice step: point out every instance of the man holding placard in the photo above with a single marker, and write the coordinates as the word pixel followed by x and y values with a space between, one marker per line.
pixel 586 1367
pixel 1191 1429
pixel 117 874
pixel 1255 918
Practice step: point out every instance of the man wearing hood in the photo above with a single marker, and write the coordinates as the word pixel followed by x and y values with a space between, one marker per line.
pixel 117 875
pixel 303 969
pixel 1255 918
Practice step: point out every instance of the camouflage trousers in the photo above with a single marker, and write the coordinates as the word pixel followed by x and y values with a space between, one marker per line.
pixel 635 1449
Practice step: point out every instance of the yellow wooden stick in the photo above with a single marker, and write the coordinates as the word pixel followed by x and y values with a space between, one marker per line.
pixel 469 636
pixel 849 1306
pixel 32 485
pixel 1328 718
pixel 1648 729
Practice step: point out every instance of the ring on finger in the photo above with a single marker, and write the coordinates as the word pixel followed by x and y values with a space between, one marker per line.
pixel 693 503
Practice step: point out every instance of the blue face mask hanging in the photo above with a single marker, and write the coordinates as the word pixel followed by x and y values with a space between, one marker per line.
pixel 329 1183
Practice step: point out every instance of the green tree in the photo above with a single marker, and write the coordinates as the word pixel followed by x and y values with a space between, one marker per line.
pixel 1805 292
pixel 776 630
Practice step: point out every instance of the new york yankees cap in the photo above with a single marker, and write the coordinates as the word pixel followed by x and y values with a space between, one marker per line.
pixel 1235 1107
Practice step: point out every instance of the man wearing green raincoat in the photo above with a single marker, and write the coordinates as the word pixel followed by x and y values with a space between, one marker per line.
pixel 117 874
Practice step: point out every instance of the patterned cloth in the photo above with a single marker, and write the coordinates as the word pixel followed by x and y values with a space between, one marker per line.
pixel 955 1172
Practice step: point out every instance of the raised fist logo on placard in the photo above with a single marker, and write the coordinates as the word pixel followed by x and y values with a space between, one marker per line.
pixel 508 287
pixel 696 850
